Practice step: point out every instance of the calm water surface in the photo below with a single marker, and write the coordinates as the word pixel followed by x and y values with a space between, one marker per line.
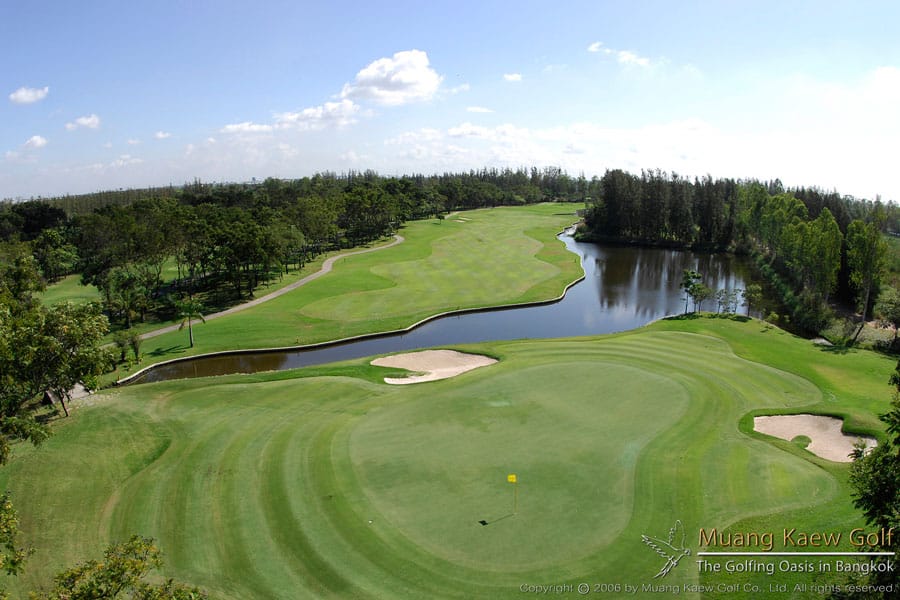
pixel 624 288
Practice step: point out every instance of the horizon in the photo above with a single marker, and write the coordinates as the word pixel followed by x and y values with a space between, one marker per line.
pixel 167 94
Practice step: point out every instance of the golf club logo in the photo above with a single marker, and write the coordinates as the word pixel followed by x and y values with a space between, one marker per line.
pixel 667 549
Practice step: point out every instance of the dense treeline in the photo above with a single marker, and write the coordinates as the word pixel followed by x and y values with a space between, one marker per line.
pixel 226 239
pixel 809 244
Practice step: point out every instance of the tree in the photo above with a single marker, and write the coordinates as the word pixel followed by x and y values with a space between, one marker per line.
pixel 689 278
pixel 875 478
pixel 753 295
pixel 12 556
pixel 55 256
pixel 700 292
pixel 865 258
pixel 119 574
pixel 888 309
pixel 41 350
pixel 46 350
pixel 188 310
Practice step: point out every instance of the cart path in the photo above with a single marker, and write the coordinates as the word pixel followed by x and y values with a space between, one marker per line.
pixel 326 268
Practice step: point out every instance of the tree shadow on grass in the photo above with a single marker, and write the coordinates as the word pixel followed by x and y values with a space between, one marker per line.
pixel 180 349
pixel 837 349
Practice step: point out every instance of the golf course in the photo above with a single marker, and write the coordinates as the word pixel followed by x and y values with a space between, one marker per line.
pixel 329 482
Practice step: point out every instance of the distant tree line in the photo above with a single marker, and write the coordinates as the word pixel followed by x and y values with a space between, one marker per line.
pixel 811 245
pixel 227 239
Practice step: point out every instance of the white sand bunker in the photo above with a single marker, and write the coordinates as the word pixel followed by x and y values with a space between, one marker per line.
pixel 828 441
pixel 433 364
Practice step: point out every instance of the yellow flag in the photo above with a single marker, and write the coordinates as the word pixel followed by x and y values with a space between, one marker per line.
pixel 511 478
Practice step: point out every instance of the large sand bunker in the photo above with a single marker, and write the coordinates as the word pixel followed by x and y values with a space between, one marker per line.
pixel 828 441
pixel 433 364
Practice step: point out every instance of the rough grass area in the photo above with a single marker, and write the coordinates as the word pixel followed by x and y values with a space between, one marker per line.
pixel 325 482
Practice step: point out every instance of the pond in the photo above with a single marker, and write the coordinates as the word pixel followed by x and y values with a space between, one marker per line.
pixel 623 288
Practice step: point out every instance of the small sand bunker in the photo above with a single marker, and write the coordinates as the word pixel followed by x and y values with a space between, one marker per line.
pixel 828 441
pixel 433 364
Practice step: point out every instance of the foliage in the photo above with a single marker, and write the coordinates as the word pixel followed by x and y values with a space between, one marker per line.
pixel 120 573
pixel 866 251
pixel 189 310
pixel 752 296
pixel 875 478
pixel 12 556
pixel 689 279
pixel 888 308
pixel 41 350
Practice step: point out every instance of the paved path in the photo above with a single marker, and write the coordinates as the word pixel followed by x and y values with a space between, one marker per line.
pixel 326 268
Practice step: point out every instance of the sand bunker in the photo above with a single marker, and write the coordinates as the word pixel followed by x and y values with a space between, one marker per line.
pixel 828 441
pixel 433 364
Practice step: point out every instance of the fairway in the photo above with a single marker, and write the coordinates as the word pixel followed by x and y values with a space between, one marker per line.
pixel 495 257
pixel 327 482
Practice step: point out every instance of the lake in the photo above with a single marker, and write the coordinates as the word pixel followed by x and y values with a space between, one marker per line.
pixel 623 288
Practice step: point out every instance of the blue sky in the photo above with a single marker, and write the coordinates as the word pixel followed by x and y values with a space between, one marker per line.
pixel 99 95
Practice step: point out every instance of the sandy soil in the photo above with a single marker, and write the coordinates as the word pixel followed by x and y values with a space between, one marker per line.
pixel 433 364
pixel 828 441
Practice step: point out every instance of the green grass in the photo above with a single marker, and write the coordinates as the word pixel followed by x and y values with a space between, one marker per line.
pixel 69 289
pixel 497 256
pixel 324 482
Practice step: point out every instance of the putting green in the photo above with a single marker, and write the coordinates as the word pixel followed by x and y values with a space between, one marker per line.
pixel 334 484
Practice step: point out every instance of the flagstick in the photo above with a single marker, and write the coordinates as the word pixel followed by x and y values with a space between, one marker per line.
pixel 515 498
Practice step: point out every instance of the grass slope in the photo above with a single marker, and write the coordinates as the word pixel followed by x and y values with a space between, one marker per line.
pixel 325 482
pixel 494 256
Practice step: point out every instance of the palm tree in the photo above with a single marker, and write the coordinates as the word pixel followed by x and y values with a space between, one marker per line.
pixel 188 310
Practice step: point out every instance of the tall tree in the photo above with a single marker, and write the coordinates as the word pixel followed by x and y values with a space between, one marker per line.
pixel 752 295
pixel 689 279
pixel 189 310
pixel 866 252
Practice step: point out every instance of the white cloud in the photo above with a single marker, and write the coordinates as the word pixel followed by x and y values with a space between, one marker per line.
pixel 337 114
pixel 125 160
pixel 425 134
pixel 504 132
pixel 478 109
pixel 626 57
pixel 91 122
pixel 246 127
pixel 108 145
pixel 463 87
pixel 35 142
pixel 406 77
pixel 25 95
pixel 161 135
pixel 133 142
pixel 512 76
pixel 11 155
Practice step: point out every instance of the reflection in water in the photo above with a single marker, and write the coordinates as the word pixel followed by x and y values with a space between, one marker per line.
pixel 624 288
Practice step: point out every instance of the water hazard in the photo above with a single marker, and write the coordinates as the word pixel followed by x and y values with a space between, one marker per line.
pixel 623 288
